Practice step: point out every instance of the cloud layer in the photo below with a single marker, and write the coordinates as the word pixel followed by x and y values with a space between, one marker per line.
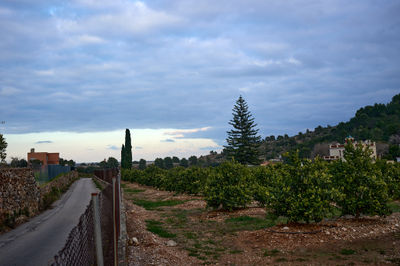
pixel 100 65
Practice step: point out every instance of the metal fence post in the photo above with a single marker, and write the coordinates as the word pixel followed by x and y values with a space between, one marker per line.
pixel 115 223
pixel 97 230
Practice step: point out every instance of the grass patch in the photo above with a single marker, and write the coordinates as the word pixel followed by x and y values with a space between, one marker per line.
pixel 394 206
pixel 190 235
pixel 97 183
pixel 301 259
pixel 236 251
pixel 271 253
pixel 133 190
pixel 156 228
pixel 336 212
pixel 347 251
pixel 247 223
pixel 281 260
pixel 152 205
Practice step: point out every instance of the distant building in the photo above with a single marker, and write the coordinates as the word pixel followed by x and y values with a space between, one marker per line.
pixel 336 151
pixel 45 157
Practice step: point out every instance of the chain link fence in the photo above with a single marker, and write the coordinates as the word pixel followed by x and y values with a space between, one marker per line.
pixel 46 173
pixel 80 246
pixel 78 249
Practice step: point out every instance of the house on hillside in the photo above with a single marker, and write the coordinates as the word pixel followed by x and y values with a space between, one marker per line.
pixel 336 151
pixel 45 157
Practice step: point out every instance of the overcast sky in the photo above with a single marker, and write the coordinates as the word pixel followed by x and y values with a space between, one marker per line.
pixel 71 68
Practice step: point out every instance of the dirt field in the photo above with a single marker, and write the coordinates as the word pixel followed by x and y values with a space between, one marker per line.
pixel 184 232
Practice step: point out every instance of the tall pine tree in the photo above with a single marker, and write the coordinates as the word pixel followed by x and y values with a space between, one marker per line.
pixel 126 151
pixel 243 140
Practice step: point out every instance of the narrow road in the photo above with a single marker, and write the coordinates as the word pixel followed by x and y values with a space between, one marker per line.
pixel 37 241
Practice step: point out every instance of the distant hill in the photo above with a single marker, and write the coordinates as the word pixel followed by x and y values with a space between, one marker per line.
pixel 380 123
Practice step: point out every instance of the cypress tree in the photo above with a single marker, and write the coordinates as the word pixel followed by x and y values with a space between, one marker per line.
pixel 123 156
pixel 128 150
pixel 243 140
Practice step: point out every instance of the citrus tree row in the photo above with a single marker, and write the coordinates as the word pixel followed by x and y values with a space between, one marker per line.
pixel 299 189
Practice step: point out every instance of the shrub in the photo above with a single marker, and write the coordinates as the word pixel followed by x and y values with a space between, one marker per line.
pixel 301 190
pixel 263 178
pixel 152 176
pixel 361 183
pixel 193 180
pixel 391 176
pixel 230 185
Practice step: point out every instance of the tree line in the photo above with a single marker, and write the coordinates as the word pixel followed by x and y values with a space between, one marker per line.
pixel 379 122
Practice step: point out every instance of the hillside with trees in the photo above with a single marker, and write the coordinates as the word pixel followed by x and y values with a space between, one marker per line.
pixel 378 122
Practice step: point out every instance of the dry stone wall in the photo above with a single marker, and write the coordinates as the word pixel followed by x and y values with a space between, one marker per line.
pixel 19 192
pixel 21 195
pixel 60 182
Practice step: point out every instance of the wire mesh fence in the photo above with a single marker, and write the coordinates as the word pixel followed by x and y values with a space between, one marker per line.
pixel 80 246
pixel 78 249
pixel 46 173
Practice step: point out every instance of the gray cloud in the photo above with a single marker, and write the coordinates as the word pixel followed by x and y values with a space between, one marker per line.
pixel 43 142
pixel 113 147
pixel 168 140
pixel 182 64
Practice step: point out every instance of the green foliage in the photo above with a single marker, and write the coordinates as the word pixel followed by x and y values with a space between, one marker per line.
pixel 361 183
pixel 112 162
pixel 298 190
pixel 184 162
pixel 179 179
pixel 301 190
pixel 15 162
pixel 347 251
pixel 168 163
pixel 3 146
pixel 126 151
pixel 64 162
pixel 271 253
pixel 142 164
pixel 50 197
pixel 380 122
pixel 123 156
pixel 229 186
pixel 394 206
pixel 391 176
pixel 97 183
pixel 247 223
pixel 152 205
pixel 193 179
pixel 264 178
pixel 159 162
pixel 156 228
pixel 193 160
pixel 243 140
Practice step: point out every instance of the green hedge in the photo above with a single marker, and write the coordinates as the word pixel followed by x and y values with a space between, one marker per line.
pixel 301 190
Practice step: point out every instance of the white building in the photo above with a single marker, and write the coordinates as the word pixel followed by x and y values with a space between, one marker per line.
pixel 336 151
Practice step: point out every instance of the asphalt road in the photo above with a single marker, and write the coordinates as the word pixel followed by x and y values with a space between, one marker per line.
pixel 37 241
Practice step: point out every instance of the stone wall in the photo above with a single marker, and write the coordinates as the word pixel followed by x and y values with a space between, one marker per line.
pixel 60 182
pixel 18 192
pixel 21 195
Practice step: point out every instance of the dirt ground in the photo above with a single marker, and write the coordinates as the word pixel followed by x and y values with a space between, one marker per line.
pixel 187 233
